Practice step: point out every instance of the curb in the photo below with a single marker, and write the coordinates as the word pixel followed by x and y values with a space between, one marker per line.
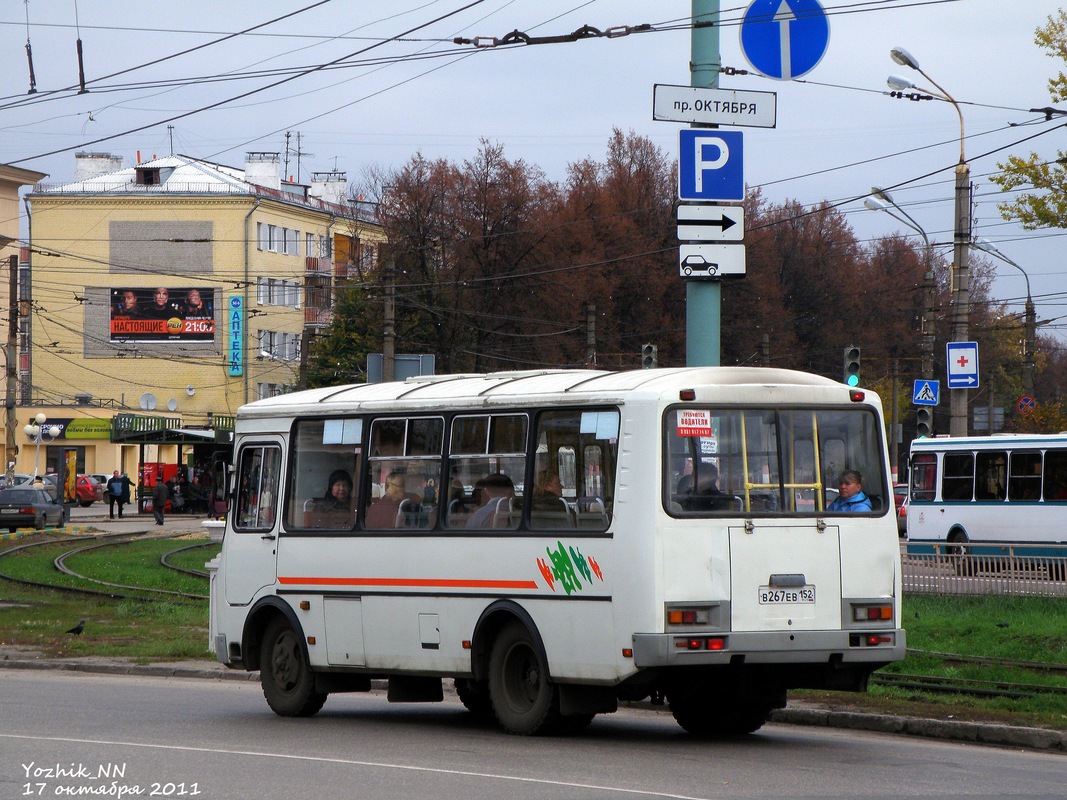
pixel 944 730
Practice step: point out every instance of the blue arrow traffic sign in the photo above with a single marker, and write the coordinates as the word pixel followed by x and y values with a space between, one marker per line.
pixel 784 39
pixel 710 164
pixel 962 361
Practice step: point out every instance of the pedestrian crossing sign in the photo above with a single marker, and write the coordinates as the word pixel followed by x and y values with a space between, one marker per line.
pixel 926 393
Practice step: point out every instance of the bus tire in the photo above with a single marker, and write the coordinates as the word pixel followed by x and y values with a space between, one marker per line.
pixel 285 675
pixel 475 696
pixel 958 551
pixel 524 700
pixel 702 712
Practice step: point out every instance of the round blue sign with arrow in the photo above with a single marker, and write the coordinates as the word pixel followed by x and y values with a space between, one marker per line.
pixel 784 39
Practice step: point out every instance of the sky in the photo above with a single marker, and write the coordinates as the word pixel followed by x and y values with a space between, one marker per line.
pixel 364 84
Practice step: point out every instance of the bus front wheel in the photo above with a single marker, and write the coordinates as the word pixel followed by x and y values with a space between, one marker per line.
pixel 524 700
pixel 287 680
pixel 959 555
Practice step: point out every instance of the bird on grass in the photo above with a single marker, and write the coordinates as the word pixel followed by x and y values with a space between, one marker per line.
pixel 77 629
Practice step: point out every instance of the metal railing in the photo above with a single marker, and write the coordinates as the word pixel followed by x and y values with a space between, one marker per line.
pixel 1001 568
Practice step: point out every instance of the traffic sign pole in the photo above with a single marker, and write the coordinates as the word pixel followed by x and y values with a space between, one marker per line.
pixel 703 299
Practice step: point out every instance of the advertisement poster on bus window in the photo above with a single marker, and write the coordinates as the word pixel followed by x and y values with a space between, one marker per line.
pixel 694 422
pixel 162 314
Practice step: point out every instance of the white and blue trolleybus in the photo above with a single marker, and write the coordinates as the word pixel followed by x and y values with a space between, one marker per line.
pixel 554 542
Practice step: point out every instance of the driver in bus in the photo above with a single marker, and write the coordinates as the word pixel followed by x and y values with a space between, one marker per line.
pixel 850 493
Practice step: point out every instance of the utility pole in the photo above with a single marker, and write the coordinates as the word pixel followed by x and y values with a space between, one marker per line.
pixel 961 297
pixel 389 320
pixel 894 447
pixel 929 320
pixel 10 447
pixel 590 334
pixel 1029 346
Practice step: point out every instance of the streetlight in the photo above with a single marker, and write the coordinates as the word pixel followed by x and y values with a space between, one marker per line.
pixel 961 233
pixel 1030 325
pixel 36 431
pixel 880 200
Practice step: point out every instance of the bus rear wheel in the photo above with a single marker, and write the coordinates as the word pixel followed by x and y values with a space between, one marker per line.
pixel 524 700
pixel 703 712
pixel 284 673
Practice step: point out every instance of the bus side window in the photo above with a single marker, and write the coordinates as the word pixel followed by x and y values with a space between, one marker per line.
pixel 257 494
pixel 958 480
pixel 1055 477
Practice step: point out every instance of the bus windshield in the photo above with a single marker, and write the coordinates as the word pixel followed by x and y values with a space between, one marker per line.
pixel 729 461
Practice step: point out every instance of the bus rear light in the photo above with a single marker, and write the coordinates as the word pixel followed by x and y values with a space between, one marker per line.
pixel 687 394
pixel 687 616
pixel 871 639
pixel 868 613
pixel 627 652
pixel 700 643
pixel 856 396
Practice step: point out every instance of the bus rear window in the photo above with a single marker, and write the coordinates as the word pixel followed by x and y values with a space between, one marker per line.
pixel 769 461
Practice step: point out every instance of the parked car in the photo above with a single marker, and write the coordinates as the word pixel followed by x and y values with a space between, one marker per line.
pixel 89 490
pixel 24 506
pixel 101 478
pixel 900 501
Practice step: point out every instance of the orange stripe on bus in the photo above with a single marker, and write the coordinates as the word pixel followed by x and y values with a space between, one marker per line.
pixel 452 583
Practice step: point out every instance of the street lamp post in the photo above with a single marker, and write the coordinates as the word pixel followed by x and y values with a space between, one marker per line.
pixel 37 431
pixel 880 200
pixel 961 233
pixel 1030 323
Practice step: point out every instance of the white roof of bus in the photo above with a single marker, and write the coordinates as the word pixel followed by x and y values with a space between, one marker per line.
pixel 997 440
pixel 502 386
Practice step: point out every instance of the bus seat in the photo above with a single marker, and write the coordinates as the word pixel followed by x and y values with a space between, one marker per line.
pixel 591 513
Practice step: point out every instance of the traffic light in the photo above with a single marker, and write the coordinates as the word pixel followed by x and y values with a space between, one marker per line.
pixel 649 358
pixel 852 365
pixel 924 422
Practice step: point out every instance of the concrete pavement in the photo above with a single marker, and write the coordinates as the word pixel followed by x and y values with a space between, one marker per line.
pixel 800 712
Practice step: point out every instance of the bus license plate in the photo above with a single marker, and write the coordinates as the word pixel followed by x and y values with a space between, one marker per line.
pixel 772 595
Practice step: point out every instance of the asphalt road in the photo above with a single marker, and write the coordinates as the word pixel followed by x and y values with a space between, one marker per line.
pixel 217 740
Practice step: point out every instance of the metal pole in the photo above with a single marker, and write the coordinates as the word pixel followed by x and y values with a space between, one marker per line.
pixel 1029 346
pixel 961 299
pixel 894 447
pixel 703 299
pixel 10 422
pixel 389 321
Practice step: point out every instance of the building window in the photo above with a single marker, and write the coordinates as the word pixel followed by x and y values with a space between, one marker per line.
pixel 278 292
pixel 265 390
pixel 279 345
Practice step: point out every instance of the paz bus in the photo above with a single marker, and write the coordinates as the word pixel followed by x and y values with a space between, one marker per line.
pixel 1006 488
pixel 556 541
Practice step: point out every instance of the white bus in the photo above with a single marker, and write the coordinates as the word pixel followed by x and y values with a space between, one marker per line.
pixel 1004 488
pixel 554 542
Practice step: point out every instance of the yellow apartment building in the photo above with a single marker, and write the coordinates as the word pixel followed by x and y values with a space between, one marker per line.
pixel 165 295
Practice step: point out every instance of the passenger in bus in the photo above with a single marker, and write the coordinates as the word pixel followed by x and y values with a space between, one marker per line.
pixel 703 494
pixel 383 511
pixel 850 493
pixel 549 509
pixel 497 493
pixel 338 492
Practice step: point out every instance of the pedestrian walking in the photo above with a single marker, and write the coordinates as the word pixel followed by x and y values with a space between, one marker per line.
pixel 160 495
pixel 124 498
pixel 114 494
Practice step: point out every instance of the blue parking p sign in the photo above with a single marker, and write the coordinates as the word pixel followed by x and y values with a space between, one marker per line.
pixel 710 164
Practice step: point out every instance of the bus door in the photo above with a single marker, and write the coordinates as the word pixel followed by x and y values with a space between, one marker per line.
pixel 785 577
pixel 249 548
pixel 785 571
